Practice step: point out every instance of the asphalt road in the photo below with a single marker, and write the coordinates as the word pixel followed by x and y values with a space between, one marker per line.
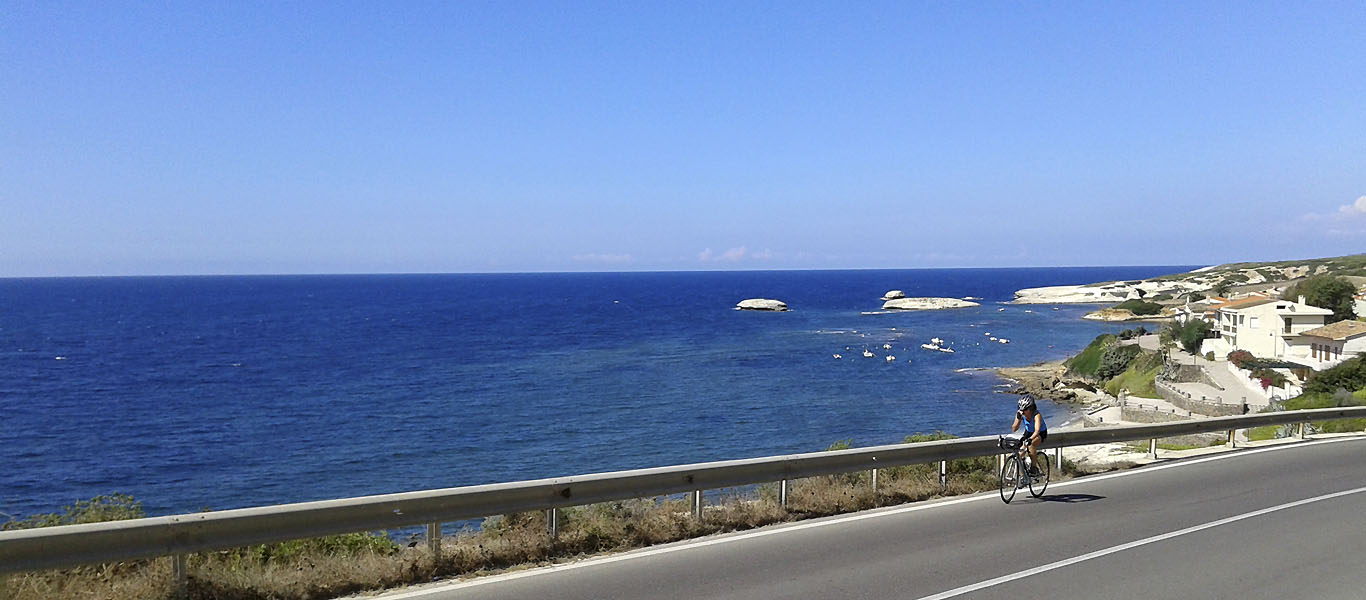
pixel 1281 522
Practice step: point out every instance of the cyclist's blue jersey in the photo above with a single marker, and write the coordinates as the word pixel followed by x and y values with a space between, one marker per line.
pixel 1029 424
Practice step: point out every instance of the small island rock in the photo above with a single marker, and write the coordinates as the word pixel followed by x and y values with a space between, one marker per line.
pixel 761 304
pixel 893 295
pixel 925 303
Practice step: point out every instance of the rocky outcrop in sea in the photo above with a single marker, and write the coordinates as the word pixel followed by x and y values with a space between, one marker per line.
pixel 926 303
pixel 762 304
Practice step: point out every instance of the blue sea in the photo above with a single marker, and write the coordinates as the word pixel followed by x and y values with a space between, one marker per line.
pixel 234 391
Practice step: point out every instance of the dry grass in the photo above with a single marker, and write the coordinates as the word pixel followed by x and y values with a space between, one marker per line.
pixel 329 568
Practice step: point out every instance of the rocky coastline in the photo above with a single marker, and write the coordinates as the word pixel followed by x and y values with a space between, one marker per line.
pixel 1120 315
pixel 1049 380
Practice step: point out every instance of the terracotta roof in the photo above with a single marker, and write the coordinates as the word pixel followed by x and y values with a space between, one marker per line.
pixel 1338 331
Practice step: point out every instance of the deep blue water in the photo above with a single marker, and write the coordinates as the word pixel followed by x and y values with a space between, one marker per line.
pixel 225 392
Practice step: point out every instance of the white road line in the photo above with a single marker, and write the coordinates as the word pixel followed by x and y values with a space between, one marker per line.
pixel 1143 542
pixel 875 514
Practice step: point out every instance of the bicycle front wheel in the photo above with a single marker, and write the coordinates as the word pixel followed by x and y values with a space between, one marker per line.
pixel 1039 483
pixel 1010 478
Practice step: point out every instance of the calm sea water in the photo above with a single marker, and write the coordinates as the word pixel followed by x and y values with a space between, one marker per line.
pixel 225 392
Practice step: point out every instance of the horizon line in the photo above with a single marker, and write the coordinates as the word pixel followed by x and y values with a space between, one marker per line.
pixel 568 272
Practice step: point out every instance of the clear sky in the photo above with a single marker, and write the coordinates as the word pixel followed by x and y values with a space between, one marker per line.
pixel 337 137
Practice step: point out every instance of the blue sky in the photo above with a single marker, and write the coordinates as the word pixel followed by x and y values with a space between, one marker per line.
pixel 198 138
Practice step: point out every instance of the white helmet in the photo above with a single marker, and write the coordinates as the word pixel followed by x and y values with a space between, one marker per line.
pixel 1026 402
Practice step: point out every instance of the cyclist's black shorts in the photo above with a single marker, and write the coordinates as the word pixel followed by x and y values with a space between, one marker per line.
pixel 1043 435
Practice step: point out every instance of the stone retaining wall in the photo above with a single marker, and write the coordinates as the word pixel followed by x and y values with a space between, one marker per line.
pixel 1209 409
pixel 1141 415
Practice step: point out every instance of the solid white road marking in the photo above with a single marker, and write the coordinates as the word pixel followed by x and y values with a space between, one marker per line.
pixel 447 587
pixel 1143 542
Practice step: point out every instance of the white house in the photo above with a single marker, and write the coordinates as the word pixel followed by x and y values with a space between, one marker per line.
pixel 1199 309
pixel 1323 347
pixel 1262 326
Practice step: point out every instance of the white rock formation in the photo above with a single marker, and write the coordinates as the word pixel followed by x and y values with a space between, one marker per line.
pixel 761 304
pixel 1059 294
pixel 893 295
pixel 925 303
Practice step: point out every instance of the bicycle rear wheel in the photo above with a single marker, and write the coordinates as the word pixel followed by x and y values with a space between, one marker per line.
pixel 1010 478
pixel 1039 483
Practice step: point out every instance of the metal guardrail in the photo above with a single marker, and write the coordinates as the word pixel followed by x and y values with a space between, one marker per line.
pixel 75 545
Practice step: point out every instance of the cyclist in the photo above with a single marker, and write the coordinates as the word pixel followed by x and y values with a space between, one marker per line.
pixel 1035 430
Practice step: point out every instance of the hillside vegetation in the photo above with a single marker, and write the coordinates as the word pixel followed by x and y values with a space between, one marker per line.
pixel 1116 367
pixel 1262 272
pixel 1342 385
pixel 1324 282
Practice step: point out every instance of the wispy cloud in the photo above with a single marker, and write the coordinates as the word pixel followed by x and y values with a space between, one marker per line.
pixel 604 259
pixel 734 255
pixel 1355 209
pixel 1349 220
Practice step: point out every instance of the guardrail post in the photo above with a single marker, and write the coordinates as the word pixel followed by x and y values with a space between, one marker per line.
pixel 782 493
pixel 1232 439
pixel 434 540
pixel 1059 460
pixel 697 505
pixel 180 577
pixel 1000 462
pixel 552 521
pixel 1302 428
pixel 874 481
pixel 943 475
pixel 1152 447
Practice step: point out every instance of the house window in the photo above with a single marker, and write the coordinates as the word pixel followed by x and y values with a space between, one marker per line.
pixel 1314 350
pixel 1287 325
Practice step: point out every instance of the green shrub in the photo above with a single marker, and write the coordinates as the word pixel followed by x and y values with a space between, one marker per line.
pixel 1192 334
pixel 1140 307
pixel 1349 375
pixel 1311 400
pixel 1085 363
pixel 1129 334
pixel 1326 291
pixel 1139 378
pixel 1209 356
pixel 1188 335
pixel 113 507
pixel 974 466
pixel 841 445
pixel 1115 360
pixel 346 544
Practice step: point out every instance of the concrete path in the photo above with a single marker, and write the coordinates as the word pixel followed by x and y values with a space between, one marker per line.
pixel 1235 390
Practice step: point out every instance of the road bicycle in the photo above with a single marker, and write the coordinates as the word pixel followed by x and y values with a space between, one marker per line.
pixel 1014 471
